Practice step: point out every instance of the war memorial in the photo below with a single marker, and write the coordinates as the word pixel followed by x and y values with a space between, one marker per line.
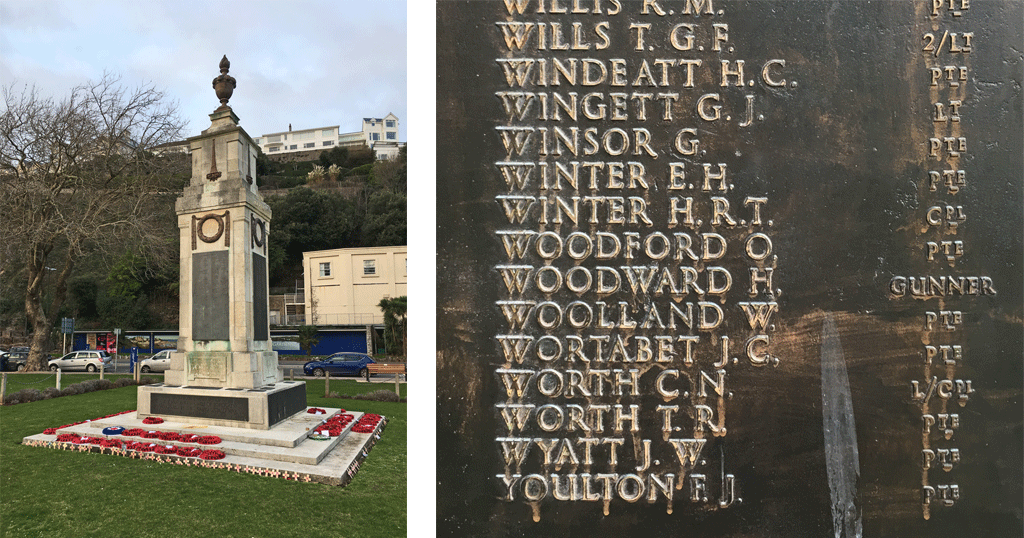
pixel 716 268
pixel 224 403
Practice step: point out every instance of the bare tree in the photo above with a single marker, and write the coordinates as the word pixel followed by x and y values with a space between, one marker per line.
pixel 78 178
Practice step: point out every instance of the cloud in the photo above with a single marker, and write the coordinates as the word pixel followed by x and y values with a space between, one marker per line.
pixel 33 17
pixel 302 62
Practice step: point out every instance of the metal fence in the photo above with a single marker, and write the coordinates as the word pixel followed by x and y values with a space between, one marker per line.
pixel 326 319
pixel 348 319
pixel 296 319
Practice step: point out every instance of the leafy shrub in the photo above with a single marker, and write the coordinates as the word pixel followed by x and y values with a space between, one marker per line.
pixel 87 386
pixel 23 396
pixel 124 311
pixel 282 182
pixel 34 395
pixel 363 170
pixel 378 396
pixel 73 390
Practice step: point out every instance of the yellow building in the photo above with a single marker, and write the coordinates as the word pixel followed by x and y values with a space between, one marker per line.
pixel 343 286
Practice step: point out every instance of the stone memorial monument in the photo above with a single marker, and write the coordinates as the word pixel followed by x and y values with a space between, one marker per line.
pixel 730 268
pixel 224 403
pixel 225 370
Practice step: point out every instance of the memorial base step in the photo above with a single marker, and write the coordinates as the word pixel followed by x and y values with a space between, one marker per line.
pixel 284 451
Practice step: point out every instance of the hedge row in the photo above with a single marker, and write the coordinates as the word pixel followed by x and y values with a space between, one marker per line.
pixel 92 385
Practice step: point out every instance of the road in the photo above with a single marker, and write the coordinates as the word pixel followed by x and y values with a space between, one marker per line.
pixel 120 366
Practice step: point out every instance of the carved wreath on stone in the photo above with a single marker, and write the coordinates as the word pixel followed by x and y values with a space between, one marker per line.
pixel 223 228
pixel 259 232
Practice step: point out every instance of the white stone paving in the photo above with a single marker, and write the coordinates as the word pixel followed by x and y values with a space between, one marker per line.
pixel 285 448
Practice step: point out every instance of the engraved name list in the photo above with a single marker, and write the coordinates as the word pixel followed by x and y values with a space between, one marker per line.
pixel 640 266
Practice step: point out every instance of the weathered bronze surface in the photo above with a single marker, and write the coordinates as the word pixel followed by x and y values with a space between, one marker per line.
pixel 260 304
pixel 210 296
pixel 681 295
pixel 218 407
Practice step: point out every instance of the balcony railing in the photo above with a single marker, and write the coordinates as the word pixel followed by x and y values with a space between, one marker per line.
pixel 296 319
pixel 326 319
pixel 348 319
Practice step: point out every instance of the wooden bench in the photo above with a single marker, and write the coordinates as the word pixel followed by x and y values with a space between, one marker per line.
pixel 377 368
pixel 380 368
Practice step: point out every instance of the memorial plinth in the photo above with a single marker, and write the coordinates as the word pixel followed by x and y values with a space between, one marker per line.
pixel 225 369
pixel 286 451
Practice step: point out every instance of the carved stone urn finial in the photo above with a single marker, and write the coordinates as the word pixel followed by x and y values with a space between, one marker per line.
pixel 225 83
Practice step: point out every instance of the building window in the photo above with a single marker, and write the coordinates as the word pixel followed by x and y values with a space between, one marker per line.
pixel 275 148
pixel 390 123
pixel 256 141
pixel 325 269
pixel 391 136
pixel 374 136
pixel 369 267
pixel 309 144
pixel 329 143
pixel 293 146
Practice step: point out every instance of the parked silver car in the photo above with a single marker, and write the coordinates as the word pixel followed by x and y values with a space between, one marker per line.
pixel 88 361
pixel 160 362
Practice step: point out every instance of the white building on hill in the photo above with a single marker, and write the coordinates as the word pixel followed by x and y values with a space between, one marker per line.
pixel 344 286
pixel 380 134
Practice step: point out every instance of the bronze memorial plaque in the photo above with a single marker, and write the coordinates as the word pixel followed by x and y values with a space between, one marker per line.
pixel 714 268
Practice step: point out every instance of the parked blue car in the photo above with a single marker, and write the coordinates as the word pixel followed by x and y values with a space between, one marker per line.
pixel 339 364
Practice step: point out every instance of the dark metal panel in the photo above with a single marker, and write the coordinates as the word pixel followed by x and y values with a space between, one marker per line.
pixel 260 324
pixel 830 441
pixel 210 296
pixel 285 403
pixel 187 405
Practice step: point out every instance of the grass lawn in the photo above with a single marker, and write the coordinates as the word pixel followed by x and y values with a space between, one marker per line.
pixel 45 492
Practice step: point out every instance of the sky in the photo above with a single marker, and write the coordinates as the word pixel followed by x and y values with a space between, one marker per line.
pixel 304 63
